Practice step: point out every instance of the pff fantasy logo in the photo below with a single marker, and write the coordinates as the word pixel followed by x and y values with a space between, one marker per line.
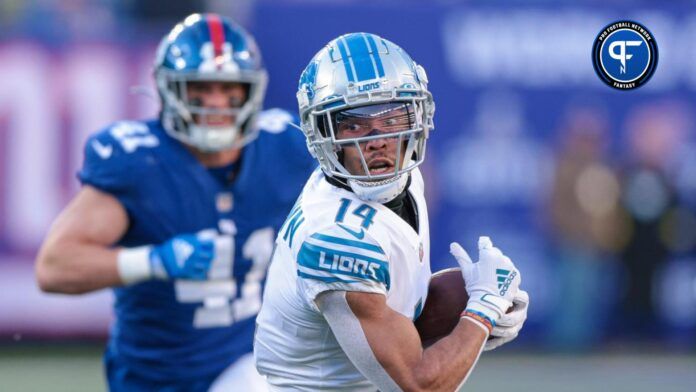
pixel 624 55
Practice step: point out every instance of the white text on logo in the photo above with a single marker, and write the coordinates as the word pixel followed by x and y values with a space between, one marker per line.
pixel 349 264
pixel 622 56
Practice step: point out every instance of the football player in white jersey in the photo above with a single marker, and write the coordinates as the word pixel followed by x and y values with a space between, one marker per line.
pixel 351 266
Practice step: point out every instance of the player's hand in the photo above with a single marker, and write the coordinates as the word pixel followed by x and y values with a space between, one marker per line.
pixel 508 327
pixel 492 282
pixel 187 256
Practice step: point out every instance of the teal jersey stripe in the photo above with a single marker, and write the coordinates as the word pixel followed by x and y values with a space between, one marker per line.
pixel 361 58
pixel 316 249
pixel 375 54
pixel 345 59
pixel 343 263
pixel 325 279
pixel 344 241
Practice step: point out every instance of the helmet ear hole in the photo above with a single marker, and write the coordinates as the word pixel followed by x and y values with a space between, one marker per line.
pixel 323 125
pixel 175 87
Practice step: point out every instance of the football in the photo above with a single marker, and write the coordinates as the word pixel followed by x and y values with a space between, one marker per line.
pixel 447 298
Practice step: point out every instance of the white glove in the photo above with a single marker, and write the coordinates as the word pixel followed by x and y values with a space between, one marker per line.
pixel 508 327
pixel 492 282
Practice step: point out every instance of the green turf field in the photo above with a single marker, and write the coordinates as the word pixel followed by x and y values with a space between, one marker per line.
pixel 51 368
pixel 597 372
pixel 78 368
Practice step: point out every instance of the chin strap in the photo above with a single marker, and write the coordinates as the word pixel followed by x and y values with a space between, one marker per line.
pixel 338 182
pixel 382 191
pixel 207 139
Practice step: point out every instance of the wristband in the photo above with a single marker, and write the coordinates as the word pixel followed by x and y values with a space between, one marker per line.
pixel 480 317
pixel 134 264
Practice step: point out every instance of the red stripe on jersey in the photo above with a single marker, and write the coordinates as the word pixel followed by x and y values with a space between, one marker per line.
pixel 217 33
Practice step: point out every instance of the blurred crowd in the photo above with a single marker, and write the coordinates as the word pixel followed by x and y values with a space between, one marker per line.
pixel 599 208
pixel 622 217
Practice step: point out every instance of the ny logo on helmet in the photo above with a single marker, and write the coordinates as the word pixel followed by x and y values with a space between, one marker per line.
pixel 222 62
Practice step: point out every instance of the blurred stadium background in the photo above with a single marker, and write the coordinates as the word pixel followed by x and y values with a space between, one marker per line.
pixel 591 191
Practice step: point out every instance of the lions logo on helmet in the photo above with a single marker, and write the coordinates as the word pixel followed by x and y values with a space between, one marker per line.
pixel 362 76
pixel 208 47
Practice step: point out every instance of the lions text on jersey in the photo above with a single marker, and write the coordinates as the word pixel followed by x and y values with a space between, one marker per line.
pixel 332 240
pixel 168 330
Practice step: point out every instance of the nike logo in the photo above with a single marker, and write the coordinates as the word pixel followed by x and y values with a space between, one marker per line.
pixel 103 151
pixel 357 234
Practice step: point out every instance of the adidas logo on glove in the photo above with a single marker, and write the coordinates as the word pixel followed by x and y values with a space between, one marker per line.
pixel 504 279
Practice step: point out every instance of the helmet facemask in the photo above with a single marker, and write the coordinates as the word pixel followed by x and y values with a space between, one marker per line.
pixel 399 122
pixel 187 120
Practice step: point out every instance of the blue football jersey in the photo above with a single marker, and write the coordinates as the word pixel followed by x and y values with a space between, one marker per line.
pixel 172 330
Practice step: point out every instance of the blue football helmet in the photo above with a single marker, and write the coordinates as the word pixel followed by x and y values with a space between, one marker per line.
pixel 363 77
pixel 208 47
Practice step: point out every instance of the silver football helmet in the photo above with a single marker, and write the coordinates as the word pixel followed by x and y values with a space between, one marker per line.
pixel 363 77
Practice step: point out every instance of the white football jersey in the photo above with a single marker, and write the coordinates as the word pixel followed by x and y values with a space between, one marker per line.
pixel 332 240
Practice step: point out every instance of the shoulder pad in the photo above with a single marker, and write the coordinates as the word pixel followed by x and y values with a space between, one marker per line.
pixel 110 153
pixel 275 120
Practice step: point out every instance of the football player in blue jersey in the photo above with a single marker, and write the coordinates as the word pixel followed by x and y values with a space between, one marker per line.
pixel 179 215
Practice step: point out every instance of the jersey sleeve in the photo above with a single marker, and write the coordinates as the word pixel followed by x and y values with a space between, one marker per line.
pixel 292 141
pixel 341 258
pixel 112 157
pixel 102 167
pixel 304 161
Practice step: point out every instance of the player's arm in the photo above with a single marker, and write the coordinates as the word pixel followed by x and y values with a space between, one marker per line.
pixel 385 346
pixel 76 256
